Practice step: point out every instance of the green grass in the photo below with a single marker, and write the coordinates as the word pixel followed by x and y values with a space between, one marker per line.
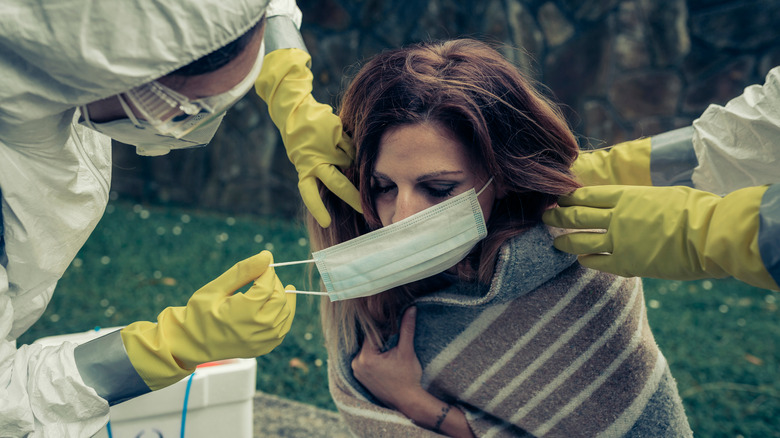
pixel 720 337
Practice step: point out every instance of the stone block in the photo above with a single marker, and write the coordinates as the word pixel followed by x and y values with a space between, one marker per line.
pixel 579 67
pixel 590 10
pixel 639 95
pixel 527 35
pixel 327 14
pixel 720 85
pixel 602 126
pixel 738 25
pixel 667 30
pixel 629 37
pixel 556 27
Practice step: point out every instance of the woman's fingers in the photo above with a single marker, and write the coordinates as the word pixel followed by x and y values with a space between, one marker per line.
pixel 406 335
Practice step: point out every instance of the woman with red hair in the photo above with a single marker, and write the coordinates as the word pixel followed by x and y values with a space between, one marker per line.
pixel 515 339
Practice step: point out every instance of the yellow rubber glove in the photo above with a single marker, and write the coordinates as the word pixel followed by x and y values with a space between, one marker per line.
pixel 313 136
pixel 216 324
pixel 675 233
pixel 623 163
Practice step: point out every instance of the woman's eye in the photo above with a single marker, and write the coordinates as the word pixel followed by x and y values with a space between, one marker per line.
pixel 440 191
pixel 379 189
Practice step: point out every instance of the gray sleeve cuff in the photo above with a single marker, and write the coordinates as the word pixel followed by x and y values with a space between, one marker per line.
pixel 281 33
pixel 672 158
pixel 104 365
pixel 769 231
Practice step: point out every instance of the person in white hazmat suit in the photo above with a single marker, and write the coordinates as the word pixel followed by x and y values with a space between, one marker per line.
pixel 158 75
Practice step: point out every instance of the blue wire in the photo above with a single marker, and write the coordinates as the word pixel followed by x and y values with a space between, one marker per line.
pixel 186 399
pixel 183 411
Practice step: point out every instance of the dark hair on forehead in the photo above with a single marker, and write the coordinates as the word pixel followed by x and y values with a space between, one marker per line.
pixel 220 57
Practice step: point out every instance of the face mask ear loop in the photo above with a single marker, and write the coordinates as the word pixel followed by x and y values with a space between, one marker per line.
pixel 274 265
pixel 87 120
pixel 309 292
pixel 128 111
pixel 485 186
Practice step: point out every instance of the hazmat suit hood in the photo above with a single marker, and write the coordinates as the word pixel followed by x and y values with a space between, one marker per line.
pixel 118 45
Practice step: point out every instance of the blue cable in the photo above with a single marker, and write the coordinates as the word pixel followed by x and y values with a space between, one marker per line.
pixel 184 408
pixel 183 411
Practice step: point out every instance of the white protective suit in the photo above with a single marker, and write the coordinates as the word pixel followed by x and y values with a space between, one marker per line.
pixel 738 145
pixel 56 55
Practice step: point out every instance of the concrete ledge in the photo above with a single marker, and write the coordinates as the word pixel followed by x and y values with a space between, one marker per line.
pixel 278 417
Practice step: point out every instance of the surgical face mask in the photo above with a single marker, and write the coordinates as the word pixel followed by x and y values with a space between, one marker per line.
pixel 422 245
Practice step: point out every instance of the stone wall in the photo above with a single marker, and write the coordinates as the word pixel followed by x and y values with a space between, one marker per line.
pixel 621 68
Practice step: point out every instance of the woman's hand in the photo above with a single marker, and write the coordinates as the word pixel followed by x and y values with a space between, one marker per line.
pixel 394 378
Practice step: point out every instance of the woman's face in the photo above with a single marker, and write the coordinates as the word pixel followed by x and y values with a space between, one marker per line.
pixel 419 166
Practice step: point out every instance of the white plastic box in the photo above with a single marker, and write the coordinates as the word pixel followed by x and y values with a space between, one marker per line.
pixel 220 401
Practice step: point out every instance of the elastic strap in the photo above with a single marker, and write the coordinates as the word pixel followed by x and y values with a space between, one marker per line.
pixel 485 186
pixel 128 111
pixel 87 120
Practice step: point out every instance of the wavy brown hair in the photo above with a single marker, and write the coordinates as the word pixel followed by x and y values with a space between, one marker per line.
pixel 509 128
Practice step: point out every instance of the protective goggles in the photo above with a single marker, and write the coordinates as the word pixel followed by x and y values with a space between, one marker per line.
pixel 173 114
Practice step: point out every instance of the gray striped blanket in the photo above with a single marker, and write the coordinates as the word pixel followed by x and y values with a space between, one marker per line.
pixel 548 349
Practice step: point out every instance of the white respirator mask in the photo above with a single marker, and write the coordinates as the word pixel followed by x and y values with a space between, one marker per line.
pixel 424 244
pixel 170 120
pixel 146 139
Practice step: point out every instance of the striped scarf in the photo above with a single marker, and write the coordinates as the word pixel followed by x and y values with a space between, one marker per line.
pixel 548 349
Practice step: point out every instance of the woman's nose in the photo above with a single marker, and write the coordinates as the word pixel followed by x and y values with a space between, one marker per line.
pixel 406 204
